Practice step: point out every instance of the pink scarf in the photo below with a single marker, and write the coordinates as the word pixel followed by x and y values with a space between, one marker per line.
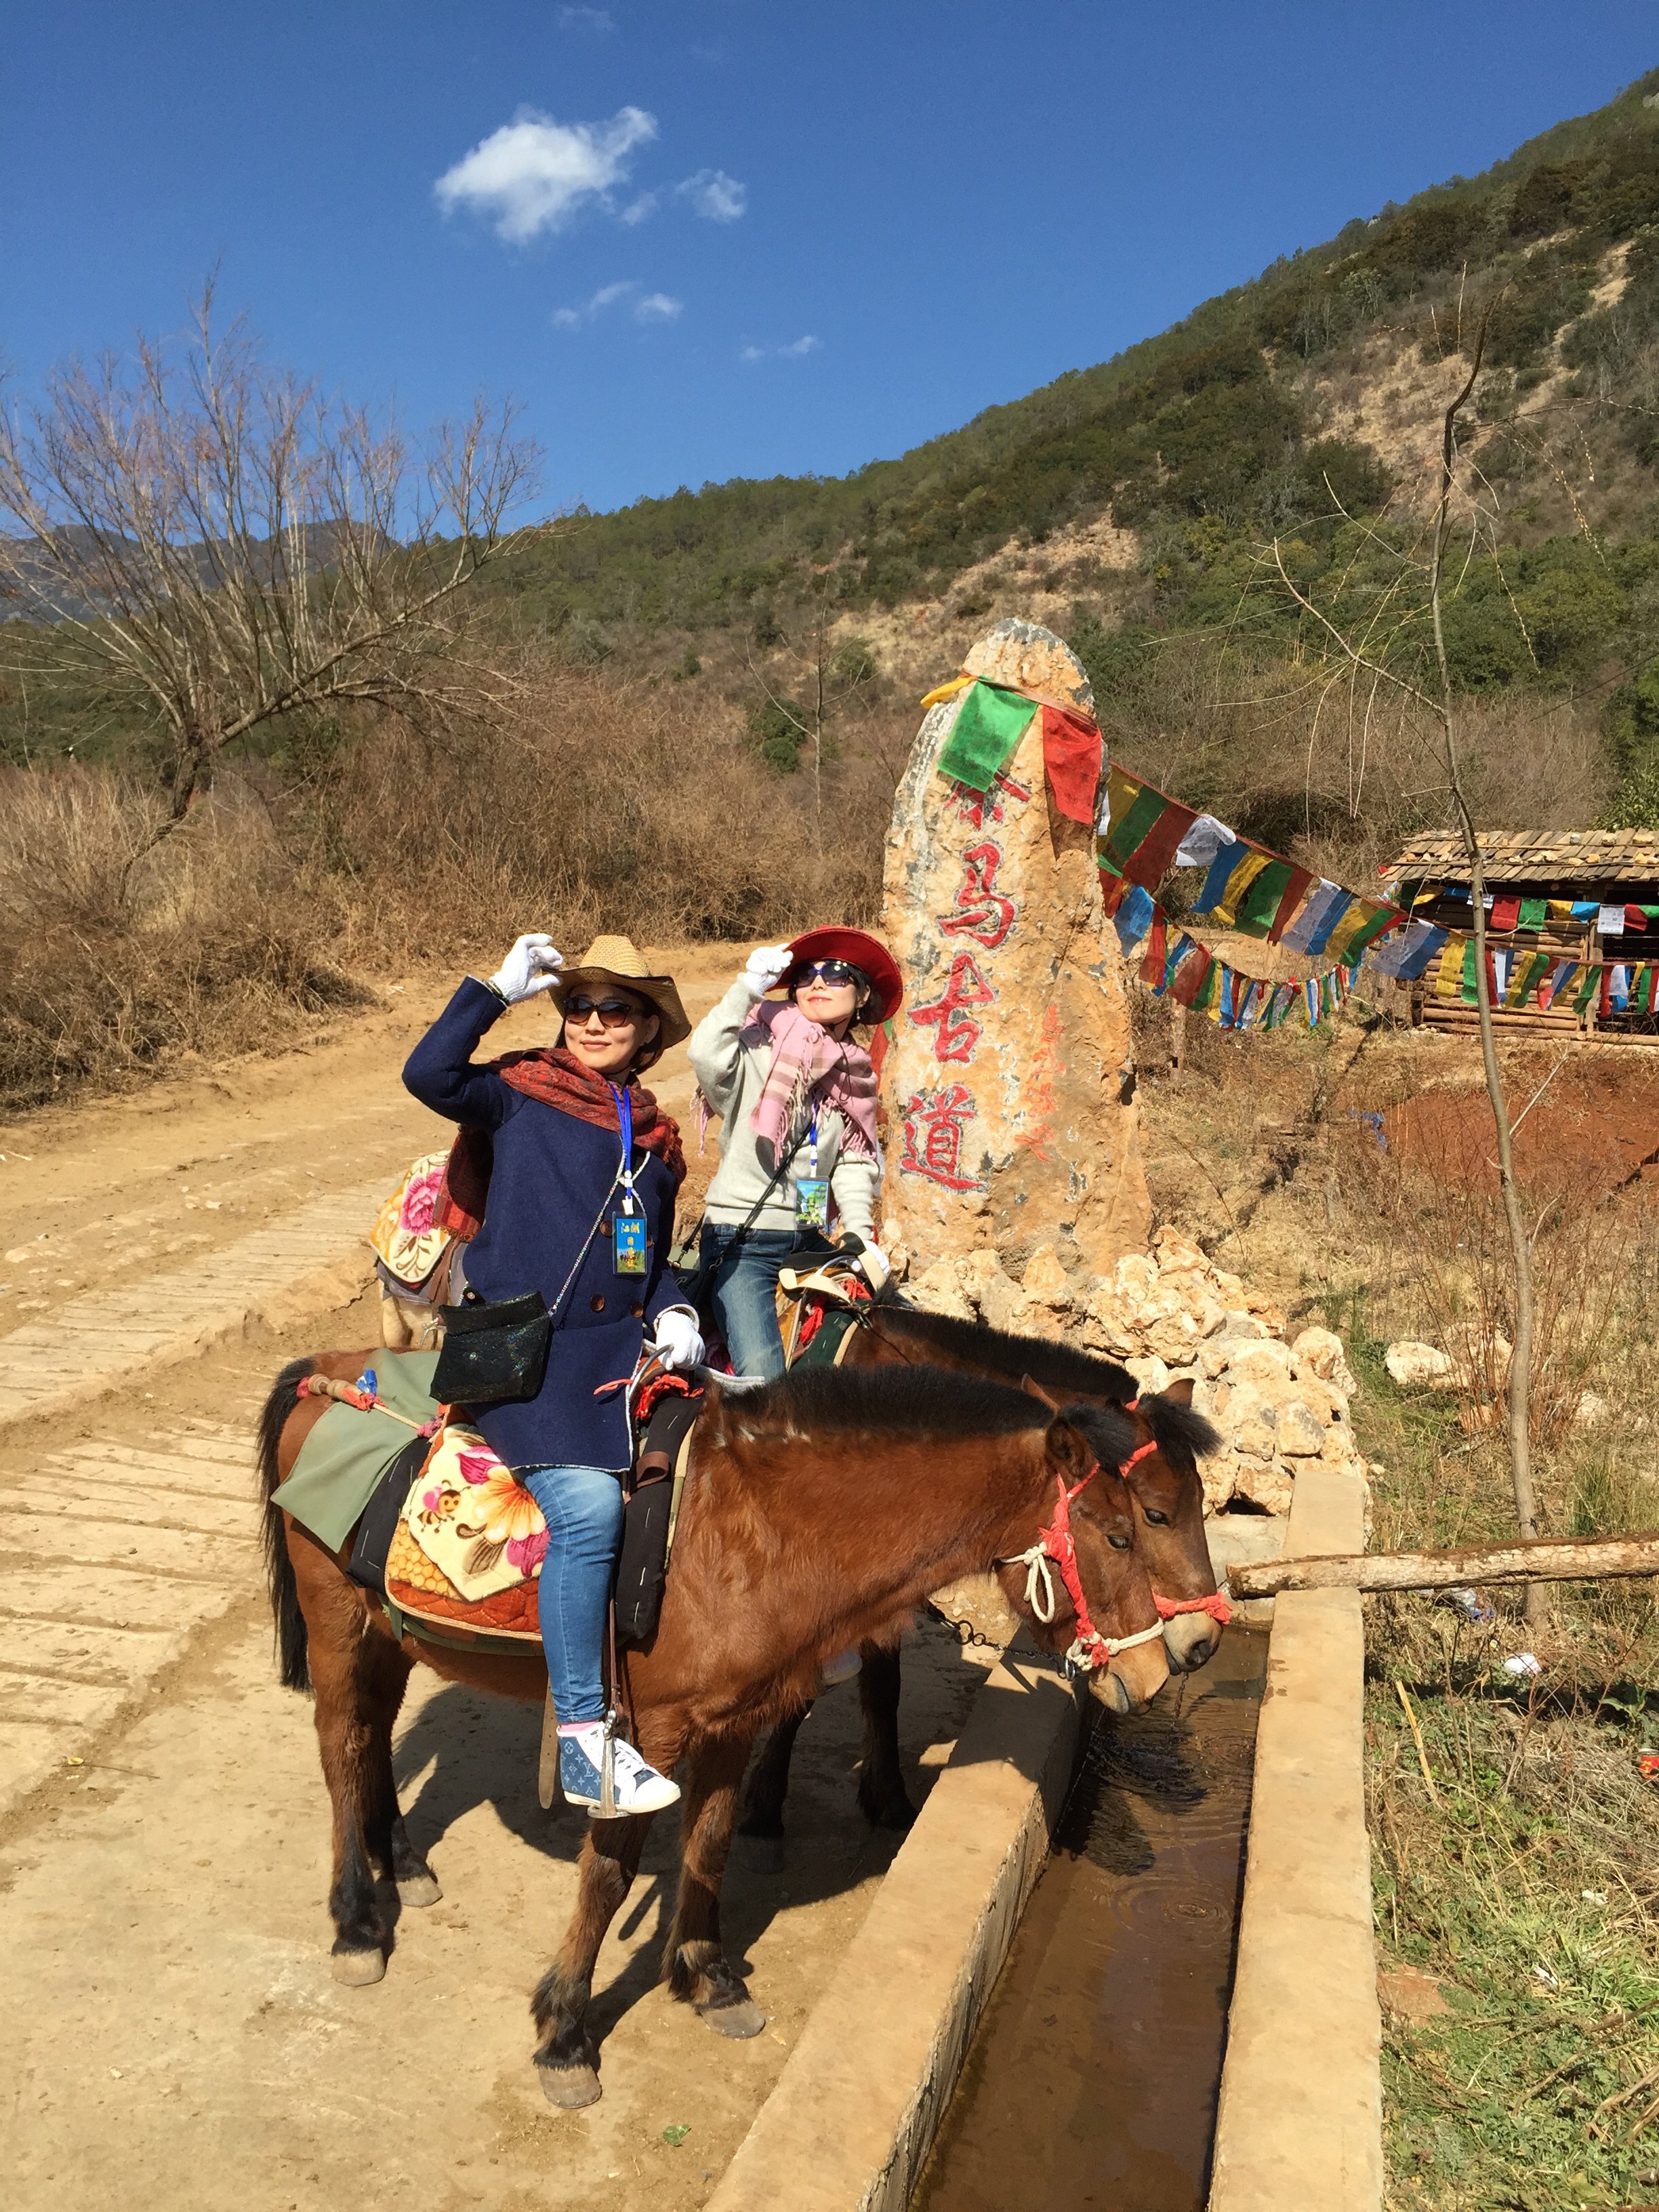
pixel 806 1059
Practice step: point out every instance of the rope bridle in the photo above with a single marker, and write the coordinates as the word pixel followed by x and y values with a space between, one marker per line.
pixel 1056 1547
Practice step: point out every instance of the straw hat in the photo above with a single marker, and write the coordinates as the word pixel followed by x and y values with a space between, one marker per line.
pixel 618 960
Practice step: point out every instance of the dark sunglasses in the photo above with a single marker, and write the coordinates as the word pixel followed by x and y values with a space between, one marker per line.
pixel 827 972
pixel 615 1013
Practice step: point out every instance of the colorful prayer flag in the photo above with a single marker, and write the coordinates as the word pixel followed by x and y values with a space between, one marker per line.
pixel 989 724
pixel 1071 760
pixel 1144 829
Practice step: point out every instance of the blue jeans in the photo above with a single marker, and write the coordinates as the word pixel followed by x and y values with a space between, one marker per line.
pixel 745 1289
pixel 582 1507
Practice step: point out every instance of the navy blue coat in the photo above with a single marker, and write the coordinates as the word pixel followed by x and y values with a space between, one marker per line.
pixel 550 1172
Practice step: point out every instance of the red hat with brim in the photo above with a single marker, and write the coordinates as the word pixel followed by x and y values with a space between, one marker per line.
pixel 869 953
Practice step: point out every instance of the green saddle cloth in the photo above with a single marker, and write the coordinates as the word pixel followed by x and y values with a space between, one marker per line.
pixel 342 1460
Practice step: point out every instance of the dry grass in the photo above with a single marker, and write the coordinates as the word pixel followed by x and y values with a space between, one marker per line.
pixel 593 806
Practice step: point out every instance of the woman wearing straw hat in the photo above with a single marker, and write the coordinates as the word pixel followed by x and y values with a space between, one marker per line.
pixel 796 1095
pixel 567 1172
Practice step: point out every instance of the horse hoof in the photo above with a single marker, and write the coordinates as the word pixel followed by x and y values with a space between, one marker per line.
pixel 738 2020
pixel 357 1969
pixel 758 1854
pixel 896 1812
pixel 570 2087
pixel 419 1889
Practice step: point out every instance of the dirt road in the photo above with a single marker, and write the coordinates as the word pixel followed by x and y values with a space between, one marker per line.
pixel 173 2037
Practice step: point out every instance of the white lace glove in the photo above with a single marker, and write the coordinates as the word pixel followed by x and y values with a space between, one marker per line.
pixel 766 965
pixel 530 968
pixel 679 1340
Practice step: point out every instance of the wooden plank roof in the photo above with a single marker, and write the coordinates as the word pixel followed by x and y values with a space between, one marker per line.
pixel 1513 856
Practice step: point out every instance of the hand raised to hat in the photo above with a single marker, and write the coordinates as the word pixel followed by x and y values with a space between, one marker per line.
pixel 530 968
pixel 766 967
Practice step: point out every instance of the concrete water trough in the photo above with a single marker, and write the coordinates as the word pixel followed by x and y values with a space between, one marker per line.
pixel 852 2118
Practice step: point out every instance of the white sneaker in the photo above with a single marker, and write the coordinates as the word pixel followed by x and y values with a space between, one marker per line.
pixel 636 1787
pixel 841 1668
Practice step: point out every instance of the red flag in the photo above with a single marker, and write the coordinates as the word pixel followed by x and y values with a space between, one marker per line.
pixel 1071 754
pixel 1188 979
pixel 1506 912
pixel 1151 967
pixel 1290 905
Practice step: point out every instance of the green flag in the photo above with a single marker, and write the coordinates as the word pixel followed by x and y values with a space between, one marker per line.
pixel 989 724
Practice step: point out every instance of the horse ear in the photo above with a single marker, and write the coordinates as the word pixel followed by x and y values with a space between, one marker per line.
pixel 1034 1389
pixel 1178 1393
pixel 1069 1447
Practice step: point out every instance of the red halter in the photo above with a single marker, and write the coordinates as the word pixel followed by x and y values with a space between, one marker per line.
pixel 1089 1648
pixel 1215 1605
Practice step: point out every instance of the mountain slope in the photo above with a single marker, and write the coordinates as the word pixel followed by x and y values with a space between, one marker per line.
pixel 1241 415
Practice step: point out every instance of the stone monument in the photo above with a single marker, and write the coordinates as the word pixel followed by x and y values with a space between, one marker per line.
pixel 1013 1133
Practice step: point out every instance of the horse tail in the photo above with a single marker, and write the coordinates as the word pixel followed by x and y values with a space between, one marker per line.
pixel 293 1660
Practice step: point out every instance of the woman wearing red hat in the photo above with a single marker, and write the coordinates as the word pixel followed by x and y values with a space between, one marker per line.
pixel 796 1097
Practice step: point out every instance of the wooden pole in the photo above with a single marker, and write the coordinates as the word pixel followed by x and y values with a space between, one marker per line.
pixel 1542 1560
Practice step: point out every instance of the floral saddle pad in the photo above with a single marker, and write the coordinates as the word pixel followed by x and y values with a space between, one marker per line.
pixel 469 1542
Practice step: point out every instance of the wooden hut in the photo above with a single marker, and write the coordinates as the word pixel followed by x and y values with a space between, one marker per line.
pixel 1576 894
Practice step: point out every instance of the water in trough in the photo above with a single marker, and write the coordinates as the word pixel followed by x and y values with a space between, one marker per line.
pixel 1094 2076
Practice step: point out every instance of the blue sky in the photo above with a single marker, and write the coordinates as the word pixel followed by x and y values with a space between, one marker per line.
pixel 723 238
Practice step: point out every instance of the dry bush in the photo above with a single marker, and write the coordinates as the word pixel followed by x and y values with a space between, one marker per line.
pixel 113 959
pixel 600 805
pixel 595 806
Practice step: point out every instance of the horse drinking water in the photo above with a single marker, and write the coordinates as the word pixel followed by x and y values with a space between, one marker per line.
pixel 818 1513
pixel 1164 1489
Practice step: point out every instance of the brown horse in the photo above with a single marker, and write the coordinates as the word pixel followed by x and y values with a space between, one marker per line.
pixel 820 1510
pixel 1169 1506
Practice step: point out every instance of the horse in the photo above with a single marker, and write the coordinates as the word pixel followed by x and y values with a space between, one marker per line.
pixel 819 1511
pixel 1164 1484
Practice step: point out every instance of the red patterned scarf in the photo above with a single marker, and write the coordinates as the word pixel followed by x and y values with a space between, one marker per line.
pixel 557 1079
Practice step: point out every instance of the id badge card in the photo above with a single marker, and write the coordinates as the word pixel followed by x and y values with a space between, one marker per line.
pixel 812 1202
pixel 627 1243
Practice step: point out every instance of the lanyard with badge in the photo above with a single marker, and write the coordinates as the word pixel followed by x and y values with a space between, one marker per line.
pixel 627 1226
pixel 812 1189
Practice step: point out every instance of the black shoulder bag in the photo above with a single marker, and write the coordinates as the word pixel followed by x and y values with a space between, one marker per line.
pixel 496 1354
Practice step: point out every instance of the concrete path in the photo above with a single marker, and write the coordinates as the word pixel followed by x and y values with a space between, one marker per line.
pixel 317 1256
pixel 114 1556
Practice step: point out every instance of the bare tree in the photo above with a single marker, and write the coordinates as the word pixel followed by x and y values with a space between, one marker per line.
pixel 830 680
pixel 1383 643
pixel 218 544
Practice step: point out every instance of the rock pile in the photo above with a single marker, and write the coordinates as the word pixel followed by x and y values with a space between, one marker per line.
pixel 1169 1316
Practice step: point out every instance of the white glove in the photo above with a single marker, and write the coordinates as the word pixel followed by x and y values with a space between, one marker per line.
pixel 874 1264
pixel 530 968
pixel 766 965
pixel 678 1341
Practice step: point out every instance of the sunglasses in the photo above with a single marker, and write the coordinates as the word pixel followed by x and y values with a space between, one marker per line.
pixel 615 1013
pixel 827 972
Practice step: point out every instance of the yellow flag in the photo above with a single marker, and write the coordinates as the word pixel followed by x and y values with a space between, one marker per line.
pixel 946 691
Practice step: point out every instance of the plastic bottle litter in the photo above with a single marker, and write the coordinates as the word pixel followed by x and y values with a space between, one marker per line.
pixel 1520 1664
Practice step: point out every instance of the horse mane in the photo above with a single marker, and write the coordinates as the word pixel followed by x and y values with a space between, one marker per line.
pixel 1056 1366
pixel 1182 1435
pixel 925 1401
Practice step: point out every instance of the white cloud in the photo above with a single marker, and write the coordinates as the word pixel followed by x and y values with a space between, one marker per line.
pixel 794 351
pixel 636 211
pixel 534 173
pixel 654 307
pixel 713 194
pixel 598 22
